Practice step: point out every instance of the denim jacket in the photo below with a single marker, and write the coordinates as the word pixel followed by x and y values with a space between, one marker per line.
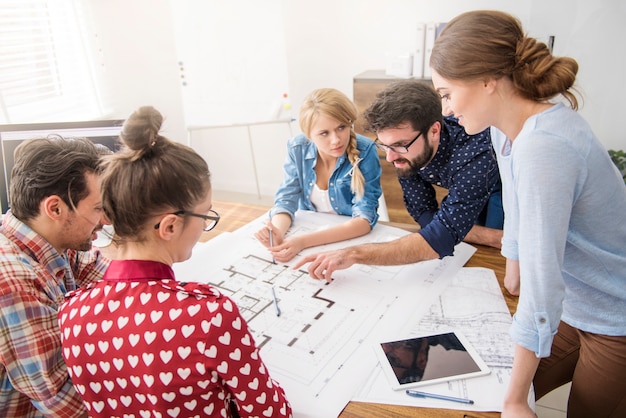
pixel 299 178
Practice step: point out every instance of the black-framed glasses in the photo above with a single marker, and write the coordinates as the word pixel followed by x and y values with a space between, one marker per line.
pixel 398 149
pixel 209 220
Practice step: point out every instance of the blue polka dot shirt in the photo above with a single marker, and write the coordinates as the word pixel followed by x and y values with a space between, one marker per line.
pixel 466 166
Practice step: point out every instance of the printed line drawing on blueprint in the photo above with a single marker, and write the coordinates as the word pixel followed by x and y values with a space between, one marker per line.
pixel 319 327
pixel 487 328
pixel 315 347
pixel 473 304
pixel 308 221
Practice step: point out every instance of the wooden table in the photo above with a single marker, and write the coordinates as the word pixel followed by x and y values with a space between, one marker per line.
pixel 235 215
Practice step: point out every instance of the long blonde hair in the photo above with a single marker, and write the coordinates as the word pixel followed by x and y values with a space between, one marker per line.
pixel 333 103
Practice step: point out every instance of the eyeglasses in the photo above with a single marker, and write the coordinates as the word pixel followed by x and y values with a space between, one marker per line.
pixel 209 220
pixel 398 149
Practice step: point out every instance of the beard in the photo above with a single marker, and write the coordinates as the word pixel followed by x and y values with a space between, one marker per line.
pixel 85 245
pixel 415 164
pixel 76 238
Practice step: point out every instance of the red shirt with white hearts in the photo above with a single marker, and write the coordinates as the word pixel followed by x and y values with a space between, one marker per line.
pixel 139 342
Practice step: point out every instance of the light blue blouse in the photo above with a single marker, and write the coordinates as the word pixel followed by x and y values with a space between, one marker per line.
pixel 565 222
pixel 299 177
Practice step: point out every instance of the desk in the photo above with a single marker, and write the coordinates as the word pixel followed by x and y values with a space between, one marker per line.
pixel 235 215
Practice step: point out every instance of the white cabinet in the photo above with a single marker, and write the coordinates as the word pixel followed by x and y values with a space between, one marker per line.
pixel 246 158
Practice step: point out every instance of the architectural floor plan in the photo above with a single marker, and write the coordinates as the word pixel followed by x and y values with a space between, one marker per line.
pixel 473 304
pixel 313 347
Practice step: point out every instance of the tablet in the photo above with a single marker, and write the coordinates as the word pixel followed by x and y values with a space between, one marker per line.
pixel 428 359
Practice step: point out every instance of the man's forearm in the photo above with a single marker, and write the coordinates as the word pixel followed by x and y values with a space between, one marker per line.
pixel 406 250
pixel 484 236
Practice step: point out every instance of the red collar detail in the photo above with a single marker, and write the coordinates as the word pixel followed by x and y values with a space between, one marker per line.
pixel 137 270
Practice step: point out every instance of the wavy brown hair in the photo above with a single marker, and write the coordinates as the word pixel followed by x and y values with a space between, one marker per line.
pixel 411 101
pixel 51 166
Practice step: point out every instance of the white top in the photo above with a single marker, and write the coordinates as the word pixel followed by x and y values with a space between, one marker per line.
pixel 320 200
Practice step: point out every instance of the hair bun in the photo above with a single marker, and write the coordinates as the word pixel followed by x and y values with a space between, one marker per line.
pixel 141 130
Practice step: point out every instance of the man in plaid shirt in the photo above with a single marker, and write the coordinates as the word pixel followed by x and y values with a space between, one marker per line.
pixel 45 251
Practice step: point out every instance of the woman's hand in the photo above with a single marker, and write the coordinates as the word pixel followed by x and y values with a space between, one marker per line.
pixel 512 277
pixel 263 235
pixel 287 250
pixel 517 410
pixel 525 364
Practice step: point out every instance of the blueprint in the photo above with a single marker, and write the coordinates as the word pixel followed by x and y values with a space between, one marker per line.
pixel 318 347
pixel 472 304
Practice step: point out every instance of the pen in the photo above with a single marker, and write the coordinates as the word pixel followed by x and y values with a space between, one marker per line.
pixel 418 394
pixel 271 245
pixel 275 302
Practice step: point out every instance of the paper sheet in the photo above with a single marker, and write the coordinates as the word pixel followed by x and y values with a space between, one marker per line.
pixel 319 347
pixel 473 304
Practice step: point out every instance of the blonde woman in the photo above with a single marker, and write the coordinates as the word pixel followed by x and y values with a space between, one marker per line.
pixel 329 168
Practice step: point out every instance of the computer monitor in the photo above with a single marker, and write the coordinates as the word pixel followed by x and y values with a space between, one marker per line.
pixel 103 132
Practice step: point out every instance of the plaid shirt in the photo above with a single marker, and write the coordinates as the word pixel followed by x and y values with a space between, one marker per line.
pixel 34 278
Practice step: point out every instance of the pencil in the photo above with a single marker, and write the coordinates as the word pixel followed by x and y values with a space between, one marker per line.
pixel 418 394
pixel 272 242
pixel 275 302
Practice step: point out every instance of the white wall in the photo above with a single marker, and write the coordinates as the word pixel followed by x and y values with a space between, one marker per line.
pixel 592 32
pixel 232 55
pixel 136 60
pixel 330 42
pixel 244 159
pixel 327 42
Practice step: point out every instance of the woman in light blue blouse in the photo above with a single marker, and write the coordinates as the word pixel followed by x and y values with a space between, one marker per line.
pixel 564 224
pixel 329 168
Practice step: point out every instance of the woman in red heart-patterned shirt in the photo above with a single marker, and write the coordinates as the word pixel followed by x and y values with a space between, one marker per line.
pixel 141 343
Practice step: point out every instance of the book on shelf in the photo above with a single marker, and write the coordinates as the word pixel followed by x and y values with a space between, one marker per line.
pixel 418 54
pixel 427 34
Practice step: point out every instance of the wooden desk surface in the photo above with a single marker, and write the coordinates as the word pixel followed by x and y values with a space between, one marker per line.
pixel 235 215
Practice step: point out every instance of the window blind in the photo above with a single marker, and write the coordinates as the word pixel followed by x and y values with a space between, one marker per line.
pixel 45 73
